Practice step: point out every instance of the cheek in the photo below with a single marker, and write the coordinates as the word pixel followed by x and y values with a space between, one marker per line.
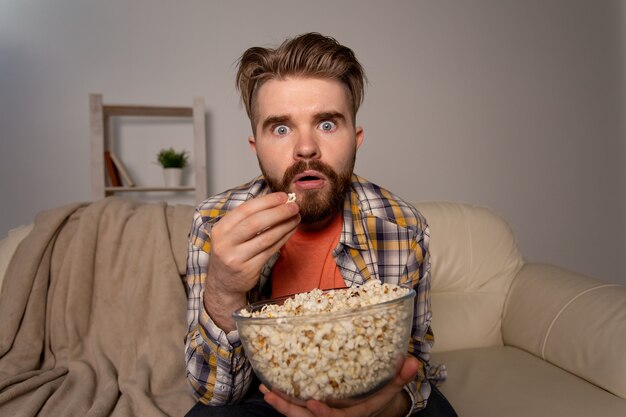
pixel 273 163
pixel 342 158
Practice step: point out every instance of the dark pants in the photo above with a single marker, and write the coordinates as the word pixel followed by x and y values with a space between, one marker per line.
pixel 437 406
pixel 254 406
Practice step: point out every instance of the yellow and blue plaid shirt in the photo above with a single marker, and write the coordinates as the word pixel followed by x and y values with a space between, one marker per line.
pixel 382 238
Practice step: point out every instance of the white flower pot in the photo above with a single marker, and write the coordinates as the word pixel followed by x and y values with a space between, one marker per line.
pixel 173 176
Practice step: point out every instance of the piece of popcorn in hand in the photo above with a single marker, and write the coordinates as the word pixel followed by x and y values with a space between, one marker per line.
pixel 291 198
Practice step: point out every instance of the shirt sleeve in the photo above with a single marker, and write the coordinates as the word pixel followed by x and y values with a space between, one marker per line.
pixel 421 340
pixel 217 369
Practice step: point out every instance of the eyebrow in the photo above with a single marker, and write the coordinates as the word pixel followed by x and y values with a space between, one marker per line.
pixel 330 115
pixel 273 120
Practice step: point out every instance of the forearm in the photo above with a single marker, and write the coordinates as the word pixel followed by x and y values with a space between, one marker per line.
pixel 221 305
pixel 211 355
pixel 217 368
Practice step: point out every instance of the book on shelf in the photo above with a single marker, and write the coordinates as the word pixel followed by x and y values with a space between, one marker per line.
pixel 112 172
pixel 125 176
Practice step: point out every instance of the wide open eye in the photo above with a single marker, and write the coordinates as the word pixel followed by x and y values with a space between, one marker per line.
pixel 327 126
pixel 281 130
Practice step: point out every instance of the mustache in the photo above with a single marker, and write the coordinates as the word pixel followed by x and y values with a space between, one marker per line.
pixel 305 165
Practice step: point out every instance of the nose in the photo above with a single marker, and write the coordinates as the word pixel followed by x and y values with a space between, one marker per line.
pixel 307 146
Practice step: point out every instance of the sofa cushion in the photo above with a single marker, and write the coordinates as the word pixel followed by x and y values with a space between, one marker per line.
pixel 509 382
pixel 573 321
pixel 474 258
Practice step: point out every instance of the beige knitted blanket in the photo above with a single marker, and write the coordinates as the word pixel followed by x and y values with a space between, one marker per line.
pixel 93 313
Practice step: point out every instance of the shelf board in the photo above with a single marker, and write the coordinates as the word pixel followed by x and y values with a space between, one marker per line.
pixel 161 188
pixel 149 111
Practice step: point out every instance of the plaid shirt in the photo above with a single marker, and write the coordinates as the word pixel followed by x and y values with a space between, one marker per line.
pixel 382 238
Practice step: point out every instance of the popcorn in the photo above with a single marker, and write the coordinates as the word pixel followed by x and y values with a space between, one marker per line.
pixel 355 348
pixel 291 198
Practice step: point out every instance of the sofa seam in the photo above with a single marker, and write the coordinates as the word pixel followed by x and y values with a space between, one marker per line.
pixel 560 312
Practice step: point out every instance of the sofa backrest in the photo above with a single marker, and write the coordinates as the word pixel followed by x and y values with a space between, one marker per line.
pixel 473 261
pixel 474 258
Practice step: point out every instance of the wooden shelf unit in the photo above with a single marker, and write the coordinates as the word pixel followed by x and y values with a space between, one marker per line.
pixel 100 118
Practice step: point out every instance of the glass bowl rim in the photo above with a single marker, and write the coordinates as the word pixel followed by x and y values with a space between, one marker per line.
pixel 311 317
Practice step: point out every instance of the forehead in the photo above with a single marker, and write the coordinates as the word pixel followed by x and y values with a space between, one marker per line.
pixel 295 96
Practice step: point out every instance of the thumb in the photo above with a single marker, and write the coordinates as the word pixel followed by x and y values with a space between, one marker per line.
pixel 410 367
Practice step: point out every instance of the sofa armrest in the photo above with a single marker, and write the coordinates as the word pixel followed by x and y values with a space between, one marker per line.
pixel 570 320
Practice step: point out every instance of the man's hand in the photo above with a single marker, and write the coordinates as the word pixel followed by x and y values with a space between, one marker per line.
pixel 389 401
pixel 241 243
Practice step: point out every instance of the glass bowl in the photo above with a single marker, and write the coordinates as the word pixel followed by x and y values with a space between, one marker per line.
pixel 335 357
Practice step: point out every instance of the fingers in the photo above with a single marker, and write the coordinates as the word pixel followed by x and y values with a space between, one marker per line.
pixel 283 406
pixel 268 242
pixel 410 368
pixel 257 215
pixel 407 373
pixel 375 403
pixel 247 236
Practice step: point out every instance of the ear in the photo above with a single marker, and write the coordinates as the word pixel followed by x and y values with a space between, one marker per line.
pixel 252 143
pixel 359 136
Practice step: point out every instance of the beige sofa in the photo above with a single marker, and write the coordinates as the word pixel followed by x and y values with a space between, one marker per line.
pixel 518 339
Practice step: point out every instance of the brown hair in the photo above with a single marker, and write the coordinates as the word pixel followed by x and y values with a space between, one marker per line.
pixel 307 55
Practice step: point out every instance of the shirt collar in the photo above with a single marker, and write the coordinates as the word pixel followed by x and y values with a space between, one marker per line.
pixel 353 234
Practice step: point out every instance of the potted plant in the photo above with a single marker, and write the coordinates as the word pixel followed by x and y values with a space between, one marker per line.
pixel 173 163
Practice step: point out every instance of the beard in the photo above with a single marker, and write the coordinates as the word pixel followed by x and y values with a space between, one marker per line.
pixel 315 205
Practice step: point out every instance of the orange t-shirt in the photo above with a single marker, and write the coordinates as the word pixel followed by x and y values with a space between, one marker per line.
pixel 306 261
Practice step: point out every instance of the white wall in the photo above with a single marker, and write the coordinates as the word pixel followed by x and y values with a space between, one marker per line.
pixel 514 105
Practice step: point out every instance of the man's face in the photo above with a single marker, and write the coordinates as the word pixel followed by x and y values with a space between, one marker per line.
pixel 306 142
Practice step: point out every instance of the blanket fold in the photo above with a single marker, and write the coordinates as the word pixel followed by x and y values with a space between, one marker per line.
pixel 93 312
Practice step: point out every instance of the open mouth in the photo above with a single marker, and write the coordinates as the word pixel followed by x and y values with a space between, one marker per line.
pixel 309 180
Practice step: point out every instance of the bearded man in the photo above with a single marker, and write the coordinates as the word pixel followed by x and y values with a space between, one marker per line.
pixel 251 243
